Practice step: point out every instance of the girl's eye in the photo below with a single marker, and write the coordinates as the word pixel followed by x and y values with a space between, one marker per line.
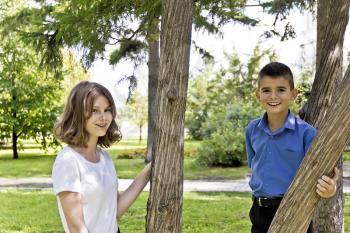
pixel 94 110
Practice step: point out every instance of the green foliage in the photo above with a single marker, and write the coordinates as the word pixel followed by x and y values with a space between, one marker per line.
pixel 281 10
pixel 128 49
pixel 221 105
pixel 225 143
pixel 91 26
pixel 29 96
pixel 137 111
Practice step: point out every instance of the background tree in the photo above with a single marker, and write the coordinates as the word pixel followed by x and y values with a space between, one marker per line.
pixel 321 110
pixel 72 73
pixel 30 94
pixel 165 200
pixel 29 97
pixel 137 111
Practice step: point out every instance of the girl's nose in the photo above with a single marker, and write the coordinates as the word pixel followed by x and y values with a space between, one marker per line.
pixel 103 115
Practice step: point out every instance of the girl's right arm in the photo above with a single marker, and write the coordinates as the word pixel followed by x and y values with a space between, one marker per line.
pixel 73 211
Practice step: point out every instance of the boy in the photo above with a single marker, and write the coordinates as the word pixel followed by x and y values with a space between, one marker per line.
pixel 276 144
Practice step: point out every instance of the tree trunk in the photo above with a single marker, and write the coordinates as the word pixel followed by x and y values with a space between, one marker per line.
pixel 153 69
pixel 164 210
pixel 14 144
pixel 298 205
pixel 140 138
pixel 14 118
pixel 332 19
pixel 328 59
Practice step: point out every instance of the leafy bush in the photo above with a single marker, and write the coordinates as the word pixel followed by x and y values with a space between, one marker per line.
pixel 225 145
pixel 141 153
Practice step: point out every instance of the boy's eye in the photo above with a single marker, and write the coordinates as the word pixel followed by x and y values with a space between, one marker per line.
pixel 281 90
pixel 265 90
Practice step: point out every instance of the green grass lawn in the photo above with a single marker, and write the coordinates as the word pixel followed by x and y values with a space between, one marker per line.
pixel 36 211
pixel 36 163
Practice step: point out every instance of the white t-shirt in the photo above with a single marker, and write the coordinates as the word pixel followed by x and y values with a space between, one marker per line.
pixel 96 182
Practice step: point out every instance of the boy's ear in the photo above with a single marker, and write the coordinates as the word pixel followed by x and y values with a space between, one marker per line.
pixel 294 93
pixel 257 94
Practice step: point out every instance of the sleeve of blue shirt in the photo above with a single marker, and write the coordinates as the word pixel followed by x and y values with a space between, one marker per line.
pixel 309 136
pixel 249 148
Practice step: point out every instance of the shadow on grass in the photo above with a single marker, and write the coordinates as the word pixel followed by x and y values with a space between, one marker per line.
pixel 27 156
pixel 226 194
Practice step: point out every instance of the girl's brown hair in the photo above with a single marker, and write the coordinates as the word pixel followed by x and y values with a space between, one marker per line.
pixel 70 128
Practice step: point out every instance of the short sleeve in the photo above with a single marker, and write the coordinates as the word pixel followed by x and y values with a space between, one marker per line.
pixel 309 136
pixel 65 174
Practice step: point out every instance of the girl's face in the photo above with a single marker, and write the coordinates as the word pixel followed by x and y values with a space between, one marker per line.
pixel 100 119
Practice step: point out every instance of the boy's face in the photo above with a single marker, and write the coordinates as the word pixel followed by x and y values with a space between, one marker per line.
pixel 275 94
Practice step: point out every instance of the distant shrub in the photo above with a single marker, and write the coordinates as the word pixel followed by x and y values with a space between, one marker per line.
pixel 141 153
pixel 225 136
pixel 132 154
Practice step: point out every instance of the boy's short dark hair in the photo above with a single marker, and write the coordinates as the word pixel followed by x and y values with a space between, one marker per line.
pixel 277 69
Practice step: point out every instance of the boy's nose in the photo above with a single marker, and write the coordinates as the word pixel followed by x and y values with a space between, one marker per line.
pixel 273 94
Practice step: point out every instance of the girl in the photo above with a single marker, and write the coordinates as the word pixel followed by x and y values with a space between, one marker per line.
pixel 84 178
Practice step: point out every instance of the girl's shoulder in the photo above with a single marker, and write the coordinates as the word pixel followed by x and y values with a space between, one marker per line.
pixel 66 155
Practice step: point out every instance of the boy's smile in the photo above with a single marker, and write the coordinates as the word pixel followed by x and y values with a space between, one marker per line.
pixel 275 94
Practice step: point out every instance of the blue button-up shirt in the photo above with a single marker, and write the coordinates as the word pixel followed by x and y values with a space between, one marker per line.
pixel 274 157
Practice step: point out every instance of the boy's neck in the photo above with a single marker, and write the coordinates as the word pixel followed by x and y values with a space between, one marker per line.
pixel 276 121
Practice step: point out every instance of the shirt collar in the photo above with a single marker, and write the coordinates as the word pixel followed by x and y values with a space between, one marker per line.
pixel 288 124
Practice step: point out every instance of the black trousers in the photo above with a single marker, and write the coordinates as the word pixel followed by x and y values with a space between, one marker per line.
pixel 118 230
pixel 261 218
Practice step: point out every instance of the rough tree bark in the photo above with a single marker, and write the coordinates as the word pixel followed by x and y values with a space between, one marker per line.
pixel 332 19
pixel 153 69
pixel 298 205
pixel 165 200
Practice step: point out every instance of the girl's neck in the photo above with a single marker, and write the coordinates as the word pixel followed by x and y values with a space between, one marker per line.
pixel 89 152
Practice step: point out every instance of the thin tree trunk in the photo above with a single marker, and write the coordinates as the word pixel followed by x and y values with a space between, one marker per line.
pixel 140 138
pixel 298 205
pixel 164 210
pixel 332 19
pixel 14 144
pixel 14 118
pixel 153 69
